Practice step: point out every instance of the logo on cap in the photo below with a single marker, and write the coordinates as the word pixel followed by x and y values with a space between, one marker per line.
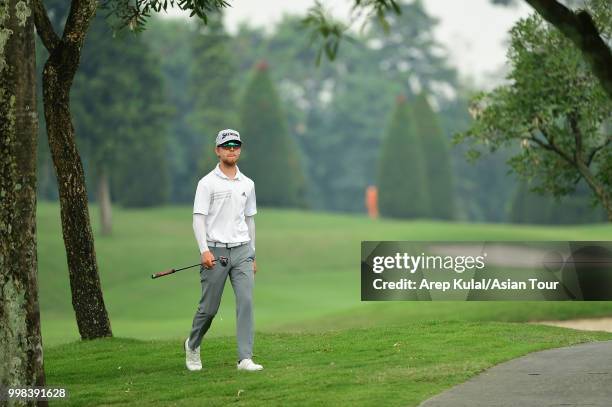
pixel 227 134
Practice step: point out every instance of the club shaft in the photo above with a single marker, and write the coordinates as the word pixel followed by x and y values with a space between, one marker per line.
pixel 172 271
pixel 188 267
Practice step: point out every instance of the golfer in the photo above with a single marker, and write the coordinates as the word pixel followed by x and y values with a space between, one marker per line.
pixel 224 226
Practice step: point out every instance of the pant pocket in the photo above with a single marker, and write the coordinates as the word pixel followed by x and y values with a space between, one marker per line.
pixel 250 253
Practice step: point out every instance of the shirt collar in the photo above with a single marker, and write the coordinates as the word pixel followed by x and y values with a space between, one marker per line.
pixel 222 175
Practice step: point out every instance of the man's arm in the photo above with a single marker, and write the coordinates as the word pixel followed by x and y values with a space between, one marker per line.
pixel 249 211
pixel 199 229
pixel 250 221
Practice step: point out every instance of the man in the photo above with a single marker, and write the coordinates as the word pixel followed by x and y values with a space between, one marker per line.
pixel 224 227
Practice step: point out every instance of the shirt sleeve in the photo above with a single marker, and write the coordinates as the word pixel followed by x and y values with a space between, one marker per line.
pixel 201 203
pixel 251 205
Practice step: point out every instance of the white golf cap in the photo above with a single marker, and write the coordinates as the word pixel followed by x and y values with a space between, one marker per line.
pixel 227 135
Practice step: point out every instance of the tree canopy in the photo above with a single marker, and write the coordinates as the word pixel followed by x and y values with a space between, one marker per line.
pixel 554 108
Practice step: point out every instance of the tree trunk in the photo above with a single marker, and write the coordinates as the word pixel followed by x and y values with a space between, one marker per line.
pixel 60 68
pixel 21 359
pixel 104 201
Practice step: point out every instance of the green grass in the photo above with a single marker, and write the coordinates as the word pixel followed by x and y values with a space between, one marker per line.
pixel 319 343
pixel 387 366
pixel 308 273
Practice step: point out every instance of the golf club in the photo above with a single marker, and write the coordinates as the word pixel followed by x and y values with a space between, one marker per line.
pixel 222 259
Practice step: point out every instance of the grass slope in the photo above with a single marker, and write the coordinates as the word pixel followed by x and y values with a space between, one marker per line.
pixel 388 366
pixel 308 276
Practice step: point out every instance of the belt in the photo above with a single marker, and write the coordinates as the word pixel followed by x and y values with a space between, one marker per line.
pixel 226 245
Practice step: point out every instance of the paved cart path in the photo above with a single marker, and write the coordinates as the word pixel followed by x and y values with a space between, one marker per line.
pixel 579 375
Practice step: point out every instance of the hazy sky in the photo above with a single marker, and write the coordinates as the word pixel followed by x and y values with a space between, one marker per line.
pixel 473 31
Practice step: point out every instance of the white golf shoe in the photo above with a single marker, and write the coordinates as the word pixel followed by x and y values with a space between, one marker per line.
pixel 192 357
pixel 249 365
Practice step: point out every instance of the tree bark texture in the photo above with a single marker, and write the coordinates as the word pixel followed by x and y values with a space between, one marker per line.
pixel 58 74
pixel 21 357
pixel 104 201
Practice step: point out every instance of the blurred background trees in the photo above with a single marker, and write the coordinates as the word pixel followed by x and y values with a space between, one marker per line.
pixel 121 114
pixel 335 117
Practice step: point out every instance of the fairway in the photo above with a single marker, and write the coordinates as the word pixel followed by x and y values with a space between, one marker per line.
pixel 308 277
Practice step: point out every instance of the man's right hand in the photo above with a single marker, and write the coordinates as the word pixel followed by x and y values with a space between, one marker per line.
pixel 208 260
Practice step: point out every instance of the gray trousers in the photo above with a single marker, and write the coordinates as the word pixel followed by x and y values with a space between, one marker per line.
pixel 240 271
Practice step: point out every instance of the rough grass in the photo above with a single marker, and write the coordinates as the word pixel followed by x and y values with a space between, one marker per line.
pixel 389 366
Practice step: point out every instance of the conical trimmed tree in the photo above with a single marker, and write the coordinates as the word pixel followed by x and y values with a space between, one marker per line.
pixel 402 184
pixel 437 159
pixel 270 156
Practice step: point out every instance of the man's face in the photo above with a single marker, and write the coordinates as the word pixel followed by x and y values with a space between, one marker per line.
pixel 229 155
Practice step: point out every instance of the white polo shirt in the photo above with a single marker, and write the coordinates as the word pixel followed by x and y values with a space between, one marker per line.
pixel 225 202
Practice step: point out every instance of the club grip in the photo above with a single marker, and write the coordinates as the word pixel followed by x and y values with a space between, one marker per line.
pixel 163 273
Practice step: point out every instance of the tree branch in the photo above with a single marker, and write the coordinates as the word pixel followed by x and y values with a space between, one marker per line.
pixel 578 163
pixel 597 187
pixel 581 30
pixel 79 17
pixel 43 26
pixel 67 52
pixel 597 149
pixel 551 146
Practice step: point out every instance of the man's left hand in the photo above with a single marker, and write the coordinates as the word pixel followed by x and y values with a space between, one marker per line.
pixel 254 267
